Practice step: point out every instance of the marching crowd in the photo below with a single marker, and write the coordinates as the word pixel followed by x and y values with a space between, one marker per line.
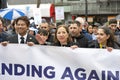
pixel 75 34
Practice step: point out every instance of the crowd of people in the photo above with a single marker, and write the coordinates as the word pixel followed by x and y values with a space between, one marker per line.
pixel 75 34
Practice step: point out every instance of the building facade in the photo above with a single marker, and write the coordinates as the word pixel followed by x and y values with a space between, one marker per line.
pixel 97 10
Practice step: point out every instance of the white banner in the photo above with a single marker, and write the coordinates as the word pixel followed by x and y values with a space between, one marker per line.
pixel 22 62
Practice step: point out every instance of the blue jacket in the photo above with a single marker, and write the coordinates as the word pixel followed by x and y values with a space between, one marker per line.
pixel 87 35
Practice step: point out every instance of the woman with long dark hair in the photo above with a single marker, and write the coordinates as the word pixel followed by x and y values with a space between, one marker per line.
pixel 105 39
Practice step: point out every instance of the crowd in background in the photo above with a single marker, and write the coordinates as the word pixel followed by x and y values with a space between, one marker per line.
pixel 74 34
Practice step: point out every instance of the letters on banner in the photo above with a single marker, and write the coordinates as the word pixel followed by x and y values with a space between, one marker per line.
pixel 23 62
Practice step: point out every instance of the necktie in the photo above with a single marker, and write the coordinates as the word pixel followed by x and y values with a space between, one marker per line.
pixel 22 40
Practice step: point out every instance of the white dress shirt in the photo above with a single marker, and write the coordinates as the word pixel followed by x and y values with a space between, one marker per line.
pixel 19 36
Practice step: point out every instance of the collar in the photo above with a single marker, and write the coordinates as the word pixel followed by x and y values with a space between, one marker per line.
pixel 102 46
pixel 19 36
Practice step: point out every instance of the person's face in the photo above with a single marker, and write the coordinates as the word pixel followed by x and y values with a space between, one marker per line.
pixel 86 26
pixel 43 37
pixel 21 27
pixel 62 35
pixel 74 30
pixel 102 37
pixel 44 26
pixel 113 27
pixel 119 25
pixel 95 29
pixel 90 29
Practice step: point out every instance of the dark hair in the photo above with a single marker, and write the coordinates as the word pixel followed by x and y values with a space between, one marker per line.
pixel 88 29
pixel 2 20
pixel 68 23
pixel 43 32
pixel 45 23
pixel 96 25
pixel 13 24
pixel 66 28
pixel 111 40
pixel 32 18
pixel 76 22
pixel 112 21
pixel 24 18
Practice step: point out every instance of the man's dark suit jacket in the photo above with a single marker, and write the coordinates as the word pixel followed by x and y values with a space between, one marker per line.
pixel 3 36
pixel 30 38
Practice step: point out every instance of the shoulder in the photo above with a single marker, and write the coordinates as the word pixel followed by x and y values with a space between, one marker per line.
pixel 4 34
pixel 31 38
pixel 93 44
pixel 13 36
pixel 13 39
pixel 56 44
pixel 116 45
pixel 82 36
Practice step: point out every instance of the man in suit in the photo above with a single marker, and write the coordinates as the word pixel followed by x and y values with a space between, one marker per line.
pixel 22 24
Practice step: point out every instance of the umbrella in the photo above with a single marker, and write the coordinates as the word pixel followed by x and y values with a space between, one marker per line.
pixel 118 17
pixel 11 14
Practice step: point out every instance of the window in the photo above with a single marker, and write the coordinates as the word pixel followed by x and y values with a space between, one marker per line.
pixel 73 0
